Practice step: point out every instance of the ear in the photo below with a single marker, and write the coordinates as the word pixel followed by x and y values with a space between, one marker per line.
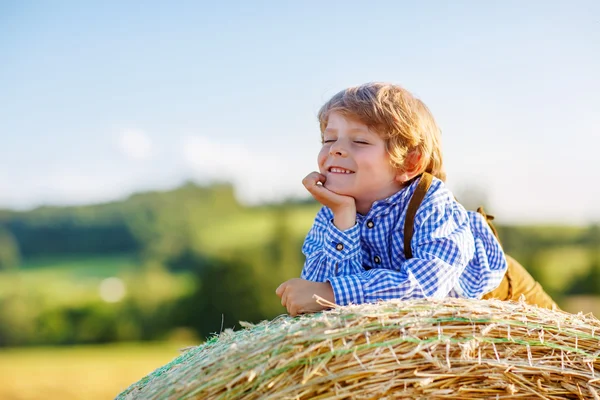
pixel 411 168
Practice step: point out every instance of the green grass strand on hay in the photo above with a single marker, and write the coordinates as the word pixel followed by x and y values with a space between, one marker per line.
pixel 261 379
pixel 305 337
pixel 157 373
pixel 547 328
pixel 434 321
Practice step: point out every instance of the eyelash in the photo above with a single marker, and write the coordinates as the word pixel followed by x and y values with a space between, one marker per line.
pixel 356 141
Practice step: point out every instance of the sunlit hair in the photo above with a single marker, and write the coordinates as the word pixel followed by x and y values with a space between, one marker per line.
pixel 402 120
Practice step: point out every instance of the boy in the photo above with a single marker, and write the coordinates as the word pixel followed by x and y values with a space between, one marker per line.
pixel 378 141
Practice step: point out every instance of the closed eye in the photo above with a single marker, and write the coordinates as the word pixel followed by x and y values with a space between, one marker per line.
pixel 328 141
pixel 361 142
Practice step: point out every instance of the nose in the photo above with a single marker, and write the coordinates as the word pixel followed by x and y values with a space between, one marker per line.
pixel 338 149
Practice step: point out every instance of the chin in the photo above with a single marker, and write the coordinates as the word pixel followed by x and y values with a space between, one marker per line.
pixel 339 190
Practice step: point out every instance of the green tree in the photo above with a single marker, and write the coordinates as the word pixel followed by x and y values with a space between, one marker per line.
pixel 10 257
pixel 589 283
pixel 228 292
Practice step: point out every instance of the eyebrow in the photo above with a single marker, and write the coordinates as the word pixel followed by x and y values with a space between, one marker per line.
pixel 353 130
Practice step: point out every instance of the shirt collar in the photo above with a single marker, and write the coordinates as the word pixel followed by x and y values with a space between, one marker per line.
pixel 402 196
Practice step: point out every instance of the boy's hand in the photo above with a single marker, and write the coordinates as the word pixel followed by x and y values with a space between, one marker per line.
pixel 343 207
pixel 297 295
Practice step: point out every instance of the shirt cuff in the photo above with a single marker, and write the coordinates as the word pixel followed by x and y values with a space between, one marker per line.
pixel 347 289
pixel 342 245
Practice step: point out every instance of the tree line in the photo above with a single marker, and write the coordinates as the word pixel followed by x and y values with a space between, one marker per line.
pixel 215 283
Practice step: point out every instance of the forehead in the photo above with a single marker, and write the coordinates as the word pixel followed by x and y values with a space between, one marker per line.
pixel 337 121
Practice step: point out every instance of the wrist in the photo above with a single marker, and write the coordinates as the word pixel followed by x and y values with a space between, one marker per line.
pixel 344 217
pixel 328 292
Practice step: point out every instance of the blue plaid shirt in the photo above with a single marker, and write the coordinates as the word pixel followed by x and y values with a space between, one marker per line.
pixel 455 253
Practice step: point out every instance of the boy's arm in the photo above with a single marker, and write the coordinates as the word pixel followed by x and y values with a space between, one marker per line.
pixel 334 239
pixel 486 269
pixel 328 249
pixel 442 246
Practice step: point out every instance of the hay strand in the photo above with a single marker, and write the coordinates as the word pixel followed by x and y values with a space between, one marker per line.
pixel 444 349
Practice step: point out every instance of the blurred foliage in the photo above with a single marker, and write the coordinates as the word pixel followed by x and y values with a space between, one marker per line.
pixel 195 259
pixel 10 255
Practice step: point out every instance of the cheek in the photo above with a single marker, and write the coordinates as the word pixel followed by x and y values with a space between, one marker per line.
pixel 378 165
pixel 322 157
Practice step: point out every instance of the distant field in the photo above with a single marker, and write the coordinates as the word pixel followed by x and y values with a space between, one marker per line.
pixel 237 231
pixel 253 228
pixel 48 276
pixel 76 279
pixel 562 265
pixel 84 372
pixel 100 266
pixel 71 280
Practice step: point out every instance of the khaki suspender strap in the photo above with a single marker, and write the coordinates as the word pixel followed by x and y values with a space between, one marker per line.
pixel 535 295
pixel 413 206
pixel 489 219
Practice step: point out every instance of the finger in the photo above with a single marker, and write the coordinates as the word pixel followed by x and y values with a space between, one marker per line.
pixel 320 192
pixel 324 195
pixel 280 289
pixel 312 179
pixel 284 296
pixel 317 190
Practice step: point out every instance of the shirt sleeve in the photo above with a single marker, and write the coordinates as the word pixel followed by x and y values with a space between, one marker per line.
pixel 442 245
pixel 485 270
pixel 328 249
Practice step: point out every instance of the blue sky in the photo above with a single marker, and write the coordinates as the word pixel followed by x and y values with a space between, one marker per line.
pixel 101 99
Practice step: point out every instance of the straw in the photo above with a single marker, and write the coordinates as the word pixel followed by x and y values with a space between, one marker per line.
pixel 434 349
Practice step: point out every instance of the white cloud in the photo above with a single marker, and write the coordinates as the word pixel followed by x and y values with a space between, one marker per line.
pixel 216 160
pixel 87 184
pixel 257 175
pixel 135 144
pixel 61 186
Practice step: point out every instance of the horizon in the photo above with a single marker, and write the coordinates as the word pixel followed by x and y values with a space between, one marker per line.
pixel 298 200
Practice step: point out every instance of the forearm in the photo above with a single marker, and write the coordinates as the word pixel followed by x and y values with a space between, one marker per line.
pixel 344 217
pixel 484 272
pixel 418 278
pixel 331 251
pixel 487 267
pixel 320 267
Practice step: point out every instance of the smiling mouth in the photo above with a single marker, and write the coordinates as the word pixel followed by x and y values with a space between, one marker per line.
pixel 338 170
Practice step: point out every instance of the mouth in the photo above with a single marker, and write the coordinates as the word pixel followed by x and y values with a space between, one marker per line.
pixel 339 170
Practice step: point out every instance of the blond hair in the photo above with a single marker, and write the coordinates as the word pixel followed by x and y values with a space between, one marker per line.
pixel 402 120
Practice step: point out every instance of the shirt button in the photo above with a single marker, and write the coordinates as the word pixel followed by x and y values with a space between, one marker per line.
pixel 377 260
pixel 339 247
pixel 370 224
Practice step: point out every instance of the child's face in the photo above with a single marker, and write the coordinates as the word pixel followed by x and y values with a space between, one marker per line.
pixel 356 163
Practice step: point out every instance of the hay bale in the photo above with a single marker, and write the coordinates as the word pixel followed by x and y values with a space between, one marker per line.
pixel 449 349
